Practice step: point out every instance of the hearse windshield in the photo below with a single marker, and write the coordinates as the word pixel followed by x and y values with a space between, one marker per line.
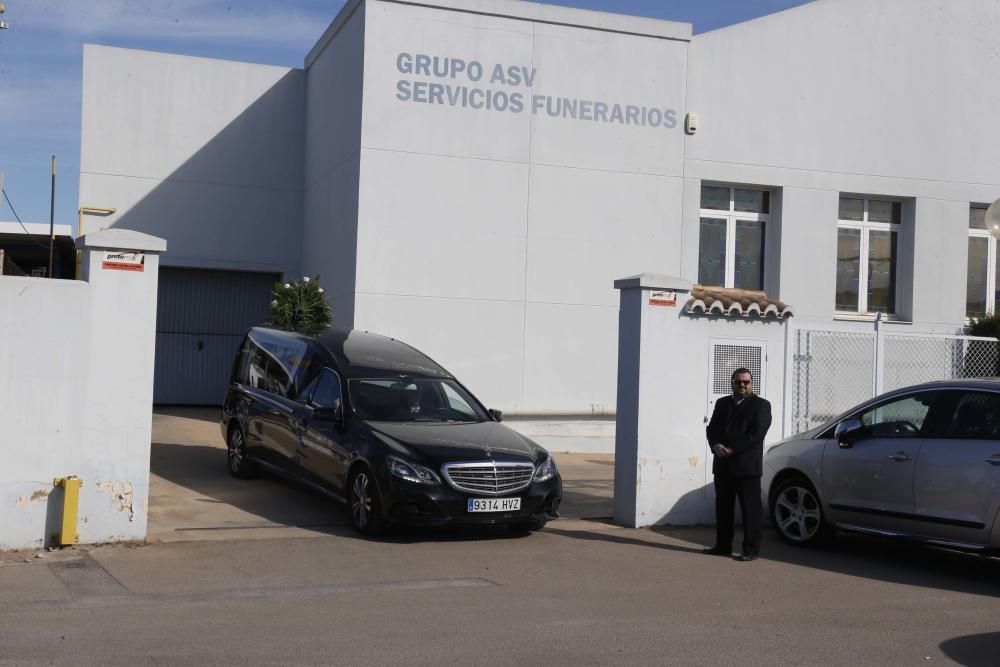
pixel 413 400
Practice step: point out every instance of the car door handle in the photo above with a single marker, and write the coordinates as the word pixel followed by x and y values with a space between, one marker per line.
pixel 993 460
pixel 899 457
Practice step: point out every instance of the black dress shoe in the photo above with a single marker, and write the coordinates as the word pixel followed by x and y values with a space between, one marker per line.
pixel 717 551
pixel 745 557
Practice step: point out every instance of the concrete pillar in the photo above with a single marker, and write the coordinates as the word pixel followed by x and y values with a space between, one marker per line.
pixel 654 479
pixel 121 267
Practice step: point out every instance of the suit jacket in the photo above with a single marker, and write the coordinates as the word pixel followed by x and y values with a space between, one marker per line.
pixel 741 428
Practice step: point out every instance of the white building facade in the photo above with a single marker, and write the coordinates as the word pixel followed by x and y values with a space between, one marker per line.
pixel 471 176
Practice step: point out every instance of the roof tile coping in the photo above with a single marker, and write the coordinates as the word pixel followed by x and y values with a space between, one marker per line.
pixel 732 301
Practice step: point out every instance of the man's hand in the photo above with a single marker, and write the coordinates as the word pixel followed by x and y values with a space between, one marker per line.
pixel 721 451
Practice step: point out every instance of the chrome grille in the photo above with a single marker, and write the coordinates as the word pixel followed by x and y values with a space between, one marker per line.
pixel 491 478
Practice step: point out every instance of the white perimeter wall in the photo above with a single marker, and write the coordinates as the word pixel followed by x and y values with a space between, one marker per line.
pixel 491 239
pixel 76 394
pixel 207 154
pixel 894 97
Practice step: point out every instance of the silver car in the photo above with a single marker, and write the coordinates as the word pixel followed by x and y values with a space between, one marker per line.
pixel 920 463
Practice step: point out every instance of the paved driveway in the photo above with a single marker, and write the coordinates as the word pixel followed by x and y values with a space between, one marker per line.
pixel 193 497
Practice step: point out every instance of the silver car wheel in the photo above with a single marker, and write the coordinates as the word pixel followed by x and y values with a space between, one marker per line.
pixel 361 503
pixel 235 450
pixel 797 513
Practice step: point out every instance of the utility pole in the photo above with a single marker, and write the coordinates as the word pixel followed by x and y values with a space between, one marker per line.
pixel 52 215
pixel 3 26
pixel 1 193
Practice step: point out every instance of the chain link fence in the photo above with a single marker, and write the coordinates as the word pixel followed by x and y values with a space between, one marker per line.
pixel 914 358
pixel 833 370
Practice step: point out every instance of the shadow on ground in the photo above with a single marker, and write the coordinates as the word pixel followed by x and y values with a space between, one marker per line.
pixel 855 555
pixel 201 473
pixel 203 498
pixel 896 562
pixel 981 650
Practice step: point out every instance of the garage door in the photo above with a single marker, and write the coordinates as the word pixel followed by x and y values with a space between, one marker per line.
pixel 201 317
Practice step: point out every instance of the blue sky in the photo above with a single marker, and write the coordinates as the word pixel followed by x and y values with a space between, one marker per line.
pixel 41 60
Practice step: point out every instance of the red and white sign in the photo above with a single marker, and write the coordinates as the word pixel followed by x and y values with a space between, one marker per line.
pixel 663 298
pixel 130 260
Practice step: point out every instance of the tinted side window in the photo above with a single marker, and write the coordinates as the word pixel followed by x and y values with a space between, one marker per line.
pixel 242 362
pixel 905 417
pixel 976 417
pixel 257 368
pixel 267 373
pixel 278 380
pixel 308 390
pixel 281 361
pixel 327 394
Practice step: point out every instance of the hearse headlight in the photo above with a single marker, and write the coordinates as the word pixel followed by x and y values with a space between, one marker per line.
pixel 546 470
pixel 411 472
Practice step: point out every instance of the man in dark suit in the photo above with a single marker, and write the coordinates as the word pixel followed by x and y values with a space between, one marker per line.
pixel 736 436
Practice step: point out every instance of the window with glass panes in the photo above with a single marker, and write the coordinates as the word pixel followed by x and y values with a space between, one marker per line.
pixel 981 282
pixel 867 233
pixel 731 236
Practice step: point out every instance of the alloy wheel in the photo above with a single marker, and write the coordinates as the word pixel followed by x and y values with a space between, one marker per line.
pixel 797 513
pixel 236 453
pixel 361 502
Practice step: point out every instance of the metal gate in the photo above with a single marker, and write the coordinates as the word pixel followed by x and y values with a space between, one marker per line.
pixel 728 354
pixel 201 317
pixel 830 370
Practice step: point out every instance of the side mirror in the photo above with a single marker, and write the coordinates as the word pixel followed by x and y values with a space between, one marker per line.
pixel 496 415
pixel 847 431
pixel 335 415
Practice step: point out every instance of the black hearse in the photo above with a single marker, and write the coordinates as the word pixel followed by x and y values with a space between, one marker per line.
pixel 382 427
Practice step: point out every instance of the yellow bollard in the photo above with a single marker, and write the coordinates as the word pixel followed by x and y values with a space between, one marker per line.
pixel 71 503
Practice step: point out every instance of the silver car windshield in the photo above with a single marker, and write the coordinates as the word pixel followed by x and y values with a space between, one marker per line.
pixel 413 400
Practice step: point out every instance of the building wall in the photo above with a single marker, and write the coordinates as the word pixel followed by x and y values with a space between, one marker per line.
pixel 205 153
pixel 891 98
pixel 333 159
pixel 491 238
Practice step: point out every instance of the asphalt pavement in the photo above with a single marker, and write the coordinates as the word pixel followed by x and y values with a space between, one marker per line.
pixel 580 592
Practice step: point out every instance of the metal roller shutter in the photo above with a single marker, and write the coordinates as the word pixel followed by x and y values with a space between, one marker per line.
pixel 201 317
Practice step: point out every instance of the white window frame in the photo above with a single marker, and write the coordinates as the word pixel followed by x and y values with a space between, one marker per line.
pixel 991 263
pixel 866 226
pixel 731 216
